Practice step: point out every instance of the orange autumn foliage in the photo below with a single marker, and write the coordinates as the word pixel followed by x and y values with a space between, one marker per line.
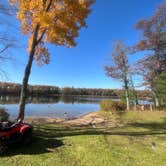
pixel 58 21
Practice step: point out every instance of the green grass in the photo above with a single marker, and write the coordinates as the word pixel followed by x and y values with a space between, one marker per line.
pixel 135 139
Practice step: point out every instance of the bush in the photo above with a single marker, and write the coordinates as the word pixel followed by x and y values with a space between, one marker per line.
pixel 109 105
pixel 105 105
pixel 3 115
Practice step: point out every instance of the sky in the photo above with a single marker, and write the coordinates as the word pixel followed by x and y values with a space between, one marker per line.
pixel 82 66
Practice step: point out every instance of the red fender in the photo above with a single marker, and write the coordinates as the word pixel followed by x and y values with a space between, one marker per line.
pixel 24 128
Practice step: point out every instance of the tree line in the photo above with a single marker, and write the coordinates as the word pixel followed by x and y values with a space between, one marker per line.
pixel 39 90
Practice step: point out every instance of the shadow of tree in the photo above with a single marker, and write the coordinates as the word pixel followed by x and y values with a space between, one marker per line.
pixel 154 126
pixel 39 145
pixel 153 129
pixel 49 137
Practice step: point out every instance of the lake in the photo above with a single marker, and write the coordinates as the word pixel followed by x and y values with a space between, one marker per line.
pixel 59 107
pixel 68 107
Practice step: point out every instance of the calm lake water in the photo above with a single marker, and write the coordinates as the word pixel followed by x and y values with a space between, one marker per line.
pixel 56 107
pixel 60 107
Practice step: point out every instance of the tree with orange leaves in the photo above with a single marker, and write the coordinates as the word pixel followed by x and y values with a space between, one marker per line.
pixel 48 21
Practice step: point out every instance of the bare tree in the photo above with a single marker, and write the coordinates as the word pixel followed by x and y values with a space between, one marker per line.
pixel 120 68
pixel 6 41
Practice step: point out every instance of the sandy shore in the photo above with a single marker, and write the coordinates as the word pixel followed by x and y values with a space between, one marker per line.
pixel 88 119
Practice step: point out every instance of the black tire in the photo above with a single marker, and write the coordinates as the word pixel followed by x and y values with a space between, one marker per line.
pixel 27 137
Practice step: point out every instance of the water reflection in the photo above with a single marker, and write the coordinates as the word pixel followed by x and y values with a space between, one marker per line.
pixel 10 99
pixel 57 106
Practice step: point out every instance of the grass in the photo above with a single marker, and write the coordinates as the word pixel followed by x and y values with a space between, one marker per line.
pixel 127 139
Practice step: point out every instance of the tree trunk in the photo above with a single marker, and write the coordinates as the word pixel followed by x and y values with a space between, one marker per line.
pixel 23 94
pixel 156 99
pixel 134 92
pixel 127 94
pixel 127 100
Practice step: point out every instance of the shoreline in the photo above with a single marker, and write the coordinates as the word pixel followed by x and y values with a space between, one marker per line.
pixel 89 119
pixel 86 119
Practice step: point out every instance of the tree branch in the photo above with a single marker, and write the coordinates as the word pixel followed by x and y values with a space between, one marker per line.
pixel 44 31
pixel 5 48
pixel 49 5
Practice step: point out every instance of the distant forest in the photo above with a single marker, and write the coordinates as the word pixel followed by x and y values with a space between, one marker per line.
pixel 36 90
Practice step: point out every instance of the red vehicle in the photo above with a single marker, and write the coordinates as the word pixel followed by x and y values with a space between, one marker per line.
pixel 11 133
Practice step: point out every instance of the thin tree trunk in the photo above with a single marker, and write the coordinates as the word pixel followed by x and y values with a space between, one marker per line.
pixel 127 94
pixel 27 72
pixel 127 100
pixel 156 99
pixel 134 92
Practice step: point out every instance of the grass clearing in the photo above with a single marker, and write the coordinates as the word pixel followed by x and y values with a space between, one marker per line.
pixel 135 139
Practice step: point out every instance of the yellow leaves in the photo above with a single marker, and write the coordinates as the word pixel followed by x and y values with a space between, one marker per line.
pixel 81 1
pixel 42 55
pixel 30 43
pixel 60 20
pixel 45 19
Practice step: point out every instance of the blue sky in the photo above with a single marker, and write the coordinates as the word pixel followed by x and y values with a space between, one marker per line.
pixel 82 66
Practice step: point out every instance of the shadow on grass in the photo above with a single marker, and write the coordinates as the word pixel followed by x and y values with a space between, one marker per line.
pixel 39 145
pixel 48 138
pixel 150 126
pixel 140 129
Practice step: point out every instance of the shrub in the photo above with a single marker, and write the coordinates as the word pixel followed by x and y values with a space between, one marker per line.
pixel 3 115
pixel 109 105
pixel 105 105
